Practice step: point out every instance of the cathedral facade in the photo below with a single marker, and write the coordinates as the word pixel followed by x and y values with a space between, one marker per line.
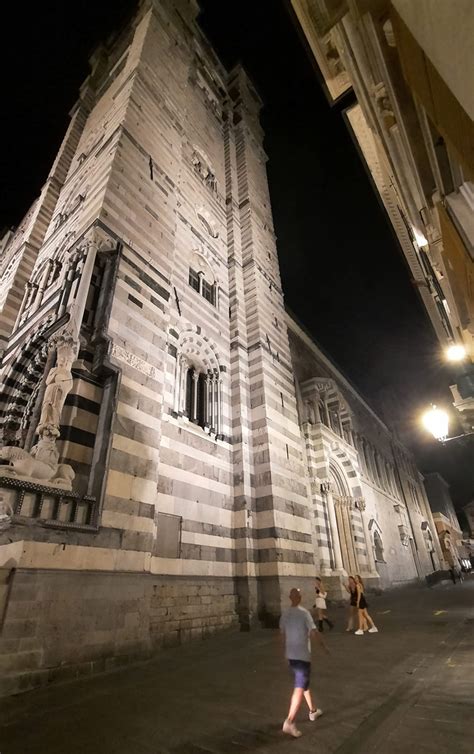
pixel 176 450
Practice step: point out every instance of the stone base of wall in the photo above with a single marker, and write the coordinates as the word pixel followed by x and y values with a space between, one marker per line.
pixel 273 596
pixel 59 625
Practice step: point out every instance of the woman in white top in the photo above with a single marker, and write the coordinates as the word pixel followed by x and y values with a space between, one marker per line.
pixel 320 605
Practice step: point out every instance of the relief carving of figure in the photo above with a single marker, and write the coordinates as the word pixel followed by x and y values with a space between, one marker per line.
pixel 41 465
pixel 58 385
pixel 30 467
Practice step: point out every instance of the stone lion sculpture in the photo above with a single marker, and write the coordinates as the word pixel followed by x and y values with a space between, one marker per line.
pixel 24 465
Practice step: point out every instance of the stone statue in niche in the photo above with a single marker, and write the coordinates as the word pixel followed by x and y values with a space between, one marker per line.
pixel 384 106
pixel 333 58
pixel 203 167
pixel 58 385
pixel 41 465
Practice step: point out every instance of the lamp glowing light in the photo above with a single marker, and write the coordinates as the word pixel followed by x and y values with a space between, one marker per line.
pixel 436 421
pixel 456 353
pixel 419 238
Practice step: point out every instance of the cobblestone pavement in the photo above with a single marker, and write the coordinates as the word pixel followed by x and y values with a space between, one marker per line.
pixel 409 687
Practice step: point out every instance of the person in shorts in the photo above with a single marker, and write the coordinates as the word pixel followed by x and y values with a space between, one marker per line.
pixel 297 627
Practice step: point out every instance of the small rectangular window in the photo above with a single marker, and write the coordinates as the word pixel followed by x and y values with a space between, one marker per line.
pixel 194 280
pixel 168 536
pixel 209 292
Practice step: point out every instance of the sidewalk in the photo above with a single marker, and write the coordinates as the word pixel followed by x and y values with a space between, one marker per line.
pixel 409 688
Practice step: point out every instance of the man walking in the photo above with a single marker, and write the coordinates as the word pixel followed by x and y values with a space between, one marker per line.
pixel 297 626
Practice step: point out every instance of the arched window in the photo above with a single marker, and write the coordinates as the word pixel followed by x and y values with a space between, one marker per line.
pixel 201 278
pixel 196 406
pixel 378 547
pixel 378 471
pixel 198 393
pixel 207 222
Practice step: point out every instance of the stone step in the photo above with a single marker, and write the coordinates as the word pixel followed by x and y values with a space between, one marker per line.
pixel 16 662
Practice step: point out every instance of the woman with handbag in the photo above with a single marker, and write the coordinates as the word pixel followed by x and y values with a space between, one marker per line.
pixel 362 605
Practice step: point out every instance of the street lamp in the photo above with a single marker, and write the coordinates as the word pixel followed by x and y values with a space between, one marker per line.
pixel 455 352
pixel 436 421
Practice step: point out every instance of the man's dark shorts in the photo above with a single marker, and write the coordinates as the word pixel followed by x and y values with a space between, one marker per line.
pixel 302 672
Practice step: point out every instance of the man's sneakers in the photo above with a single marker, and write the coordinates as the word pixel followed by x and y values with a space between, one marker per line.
pixel 359 632
pixel 291 729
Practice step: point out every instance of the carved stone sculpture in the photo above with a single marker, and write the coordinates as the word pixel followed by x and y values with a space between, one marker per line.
pixel 41 465
pixel 28 467
pixel 58 385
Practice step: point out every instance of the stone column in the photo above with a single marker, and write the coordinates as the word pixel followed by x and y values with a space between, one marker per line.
pixel 213 402
pixel 41 286
pixel 32 288
pixel 209 399
pixel 177 384
pixel 219 406
pixel 194 396
pixel 336 547
pixel 360 505
pixel 182 384
pixel 22 308
pixel 317 412
pixel 339 422
pixel 346 507
pixel 326 417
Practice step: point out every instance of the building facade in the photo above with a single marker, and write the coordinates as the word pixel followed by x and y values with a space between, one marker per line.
pixel 455 549
pixel 176 451
pixel 413 124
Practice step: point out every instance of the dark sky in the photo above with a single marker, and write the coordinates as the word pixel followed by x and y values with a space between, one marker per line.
pixel 342 271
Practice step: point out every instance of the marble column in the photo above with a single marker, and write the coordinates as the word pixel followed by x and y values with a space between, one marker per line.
pixel 336 547
pixel 346 509
pixel 209 399
pixel 177 384
pixel 219 406
pixel 24 304
pixel 182 388
pixel 194 396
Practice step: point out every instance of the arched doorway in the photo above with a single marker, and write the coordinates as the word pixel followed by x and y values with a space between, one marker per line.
pixel 343 507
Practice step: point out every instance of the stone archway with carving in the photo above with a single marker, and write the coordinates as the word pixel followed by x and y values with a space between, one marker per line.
pixel 351 541
pixel 197 393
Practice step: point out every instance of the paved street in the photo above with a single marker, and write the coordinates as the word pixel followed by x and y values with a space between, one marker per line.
pixel 410 687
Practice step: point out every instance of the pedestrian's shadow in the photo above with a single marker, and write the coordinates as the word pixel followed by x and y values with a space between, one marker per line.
pixel 231 740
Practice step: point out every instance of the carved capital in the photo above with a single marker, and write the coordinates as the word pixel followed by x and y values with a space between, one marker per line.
pixel 98 239
pixel 360 503
pixel 326 487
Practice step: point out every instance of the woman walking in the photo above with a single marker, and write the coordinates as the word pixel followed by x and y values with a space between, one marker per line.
pixel 320 605
pixel 351 587
pixel 364 617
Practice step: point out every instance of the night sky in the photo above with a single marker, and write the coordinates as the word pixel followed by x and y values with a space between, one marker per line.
pixel 343 274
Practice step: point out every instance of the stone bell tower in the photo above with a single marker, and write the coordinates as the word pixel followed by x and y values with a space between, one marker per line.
pixel 148 409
